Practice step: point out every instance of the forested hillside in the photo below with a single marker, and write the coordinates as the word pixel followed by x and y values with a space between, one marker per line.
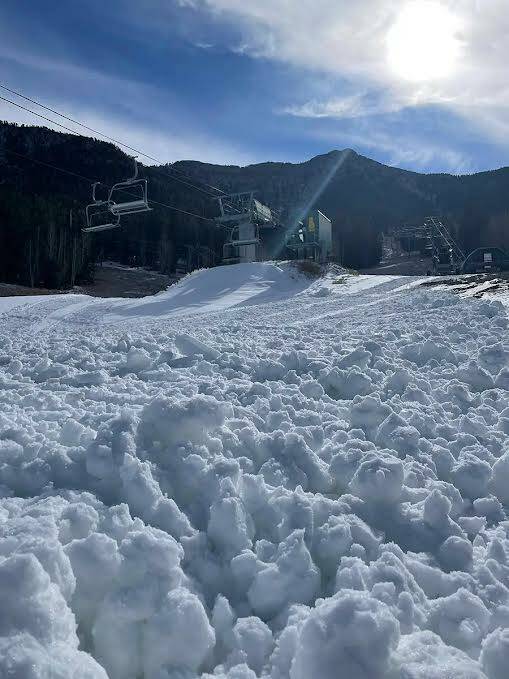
pixel 364 197
pixel 42 207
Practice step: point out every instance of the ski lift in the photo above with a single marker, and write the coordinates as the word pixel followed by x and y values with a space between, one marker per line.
pixel 137 191
pixel 104 215
pixel 99 214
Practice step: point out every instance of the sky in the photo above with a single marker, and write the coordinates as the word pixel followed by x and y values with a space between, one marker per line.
pixel 420 84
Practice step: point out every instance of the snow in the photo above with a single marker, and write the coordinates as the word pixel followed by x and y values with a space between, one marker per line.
pixel 255 474
pixel 473 285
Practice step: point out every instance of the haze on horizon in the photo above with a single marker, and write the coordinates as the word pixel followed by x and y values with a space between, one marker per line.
pixel 421 84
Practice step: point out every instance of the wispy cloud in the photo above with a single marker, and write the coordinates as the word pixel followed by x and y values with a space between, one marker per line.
pixel 231 81
pixel 352 106
pixel 349 39
pixel 122 113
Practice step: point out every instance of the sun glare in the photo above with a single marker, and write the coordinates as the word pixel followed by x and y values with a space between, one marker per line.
pixel 423 43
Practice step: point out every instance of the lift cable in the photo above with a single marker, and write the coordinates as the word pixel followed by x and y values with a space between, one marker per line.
pixel 102 134
pixel 54 122
pixel 68 129
pixel 91 181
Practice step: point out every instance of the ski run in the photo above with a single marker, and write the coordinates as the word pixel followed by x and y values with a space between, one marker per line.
pixel 255 474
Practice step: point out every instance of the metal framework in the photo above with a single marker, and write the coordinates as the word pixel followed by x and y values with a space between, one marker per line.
pixel 240 207
pixel 446 251
pixel 104 215
pixel 244 217
pixel 99 214
pixel 446 254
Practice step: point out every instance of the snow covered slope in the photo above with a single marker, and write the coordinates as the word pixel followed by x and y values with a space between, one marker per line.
pixel 203 291
pixel 255 474
pixel 222 287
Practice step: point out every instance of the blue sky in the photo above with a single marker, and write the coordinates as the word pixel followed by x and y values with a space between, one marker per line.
pixel 238 82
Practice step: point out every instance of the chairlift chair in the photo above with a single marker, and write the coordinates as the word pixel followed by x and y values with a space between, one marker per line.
pixel 100 216
pixel 137 190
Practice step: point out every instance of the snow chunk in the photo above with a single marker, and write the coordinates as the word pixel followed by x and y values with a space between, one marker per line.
pixel 423 655
pixel 168 422
pixel 461 619
pixel 252 643
pixel 378 479
pixel 37 629
pixel 352 634
pixel 191 346
pixel 230 527
pixel 495 654
pixel 137 360
pixel 291 578
pixel 178 637
pixel 500 479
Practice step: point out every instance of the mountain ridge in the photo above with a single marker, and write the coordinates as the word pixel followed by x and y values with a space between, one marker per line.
pixel 332 152
pixel 363 198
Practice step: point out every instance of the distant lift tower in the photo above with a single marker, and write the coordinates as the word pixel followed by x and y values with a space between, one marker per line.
pixel 433 239
pixel 447 255
pixel 246 219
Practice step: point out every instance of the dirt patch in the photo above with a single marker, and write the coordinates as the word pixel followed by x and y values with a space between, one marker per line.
pixel 464 281
pixel 12 290
pixel 118 281
pixel 112 280
pixel 308 268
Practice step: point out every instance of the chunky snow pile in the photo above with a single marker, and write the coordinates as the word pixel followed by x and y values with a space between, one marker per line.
pixel 312 486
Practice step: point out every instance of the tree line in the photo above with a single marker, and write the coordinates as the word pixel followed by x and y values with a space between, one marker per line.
pixel 45 184
pixel 42 207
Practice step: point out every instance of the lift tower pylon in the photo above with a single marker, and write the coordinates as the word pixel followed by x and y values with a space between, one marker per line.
pixel 245 218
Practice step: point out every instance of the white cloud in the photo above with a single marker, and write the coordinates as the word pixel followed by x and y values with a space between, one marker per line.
pixel 350 39
pixel 164 145
pixel 351 106
pixel 114 109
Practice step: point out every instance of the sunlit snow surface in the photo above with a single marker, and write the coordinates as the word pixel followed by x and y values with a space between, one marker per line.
pixel 254 474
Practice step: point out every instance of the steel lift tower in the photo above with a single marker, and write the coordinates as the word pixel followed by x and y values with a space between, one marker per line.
pixel 447 255
pixel 245 218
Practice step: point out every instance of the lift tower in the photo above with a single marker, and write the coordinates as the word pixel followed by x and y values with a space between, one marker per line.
pixel 439 244
pixel 246 219
pixel 447 255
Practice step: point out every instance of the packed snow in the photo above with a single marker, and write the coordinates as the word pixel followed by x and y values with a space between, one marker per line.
pixel 255 474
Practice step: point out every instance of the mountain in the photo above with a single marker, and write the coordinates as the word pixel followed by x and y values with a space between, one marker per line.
pixel 45 179
pixel 360 194
pixel 346 182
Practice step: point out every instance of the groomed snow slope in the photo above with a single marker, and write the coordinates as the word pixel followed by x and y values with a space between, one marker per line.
pixel 284 478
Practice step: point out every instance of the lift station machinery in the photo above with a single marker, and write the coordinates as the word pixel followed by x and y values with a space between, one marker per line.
pixel 247 221
pixel 256 232
pixel 446 254
pixel 312 239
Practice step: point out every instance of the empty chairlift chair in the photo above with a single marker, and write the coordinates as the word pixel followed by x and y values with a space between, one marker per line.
pixel 130 196
pixel 99 214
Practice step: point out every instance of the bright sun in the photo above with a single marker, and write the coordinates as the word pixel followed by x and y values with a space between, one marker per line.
pixel 423 43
